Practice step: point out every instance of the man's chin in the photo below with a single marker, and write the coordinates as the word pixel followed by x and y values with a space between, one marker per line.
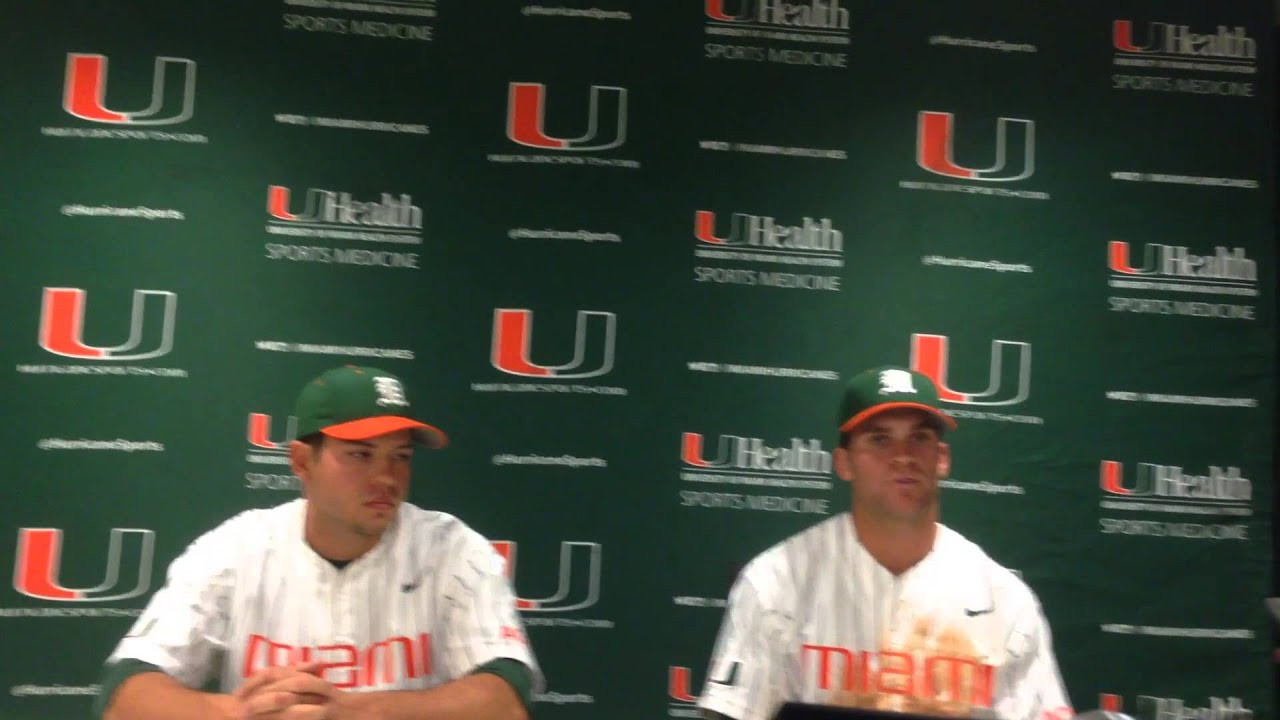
pixel 913 512
pixel 373 528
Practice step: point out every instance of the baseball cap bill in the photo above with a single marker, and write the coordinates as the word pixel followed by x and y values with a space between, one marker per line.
pixel 357 403
pixel 887 388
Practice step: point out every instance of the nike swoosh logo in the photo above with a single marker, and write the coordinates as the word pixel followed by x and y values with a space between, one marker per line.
pixel 976 613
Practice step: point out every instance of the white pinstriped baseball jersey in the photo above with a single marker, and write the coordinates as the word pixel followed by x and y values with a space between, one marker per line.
pixel 816 619
pixel 429 603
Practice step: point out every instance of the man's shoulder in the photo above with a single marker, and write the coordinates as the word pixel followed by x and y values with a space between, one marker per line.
pixel 419 519
pixel 243 538
pixel 257 523
pixel 828 533
pixel 967 556
pixel 796 553
pixel 436 528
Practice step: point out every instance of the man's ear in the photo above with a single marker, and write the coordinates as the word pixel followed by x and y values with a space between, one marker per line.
pixel 842 464
pixel 944 460
pixel 301 458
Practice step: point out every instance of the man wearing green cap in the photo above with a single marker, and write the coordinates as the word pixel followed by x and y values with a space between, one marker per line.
pixel 883 607
pixel 347 603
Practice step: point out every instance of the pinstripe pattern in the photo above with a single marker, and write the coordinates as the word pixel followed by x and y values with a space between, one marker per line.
pixel 820 587
pixel 254 575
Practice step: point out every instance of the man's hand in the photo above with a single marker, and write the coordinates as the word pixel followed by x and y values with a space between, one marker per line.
pixel 292 692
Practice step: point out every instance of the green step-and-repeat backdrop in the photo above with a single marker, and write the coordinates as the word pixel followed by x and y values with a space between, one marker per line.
pixel 623 252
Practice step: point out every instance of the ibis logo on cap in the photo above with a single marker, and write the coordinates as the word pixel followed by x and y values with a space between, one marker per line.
pixel 62 325
pixel 37 568
pixel 85 88
pixel 896 381
pixel 578 583
pixel 1009 380
pixel 606 125
pixel 512 345
pixel 1014 158
pixel 390 391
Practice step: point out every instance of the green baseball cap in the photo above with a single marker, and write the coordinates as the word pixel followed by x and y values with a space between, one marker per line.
pixel 357 403
pixel 886 388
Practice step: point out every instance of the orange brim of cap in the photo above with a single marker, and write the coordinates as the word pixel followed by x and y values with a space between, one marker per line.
pixel 365 428
pixel 854 421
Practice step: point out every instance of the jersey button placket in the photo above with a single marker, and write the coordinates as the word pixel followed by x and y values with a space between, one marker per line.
pixel 349 584
pixel 338 610
pixel 323 628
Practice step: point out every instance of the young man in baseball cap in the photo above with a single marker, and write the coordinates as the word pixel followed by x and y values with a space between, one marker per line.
pixel 884 607
pixel 345 603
